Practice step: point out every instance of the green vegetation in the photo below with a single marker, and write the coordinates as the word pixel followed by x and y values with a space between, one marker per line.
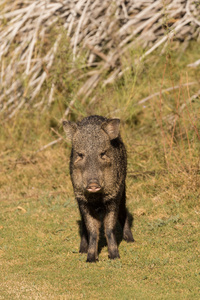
pixel 39 228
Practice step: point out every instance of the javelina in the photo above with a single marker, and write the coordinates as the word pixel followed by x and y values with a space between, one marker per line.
pixel 98 171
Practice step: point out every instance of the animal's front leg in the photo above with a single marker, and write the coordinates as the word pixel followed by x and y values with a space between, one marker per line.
pixel 92 224
pixel 109 225
pixel 84 237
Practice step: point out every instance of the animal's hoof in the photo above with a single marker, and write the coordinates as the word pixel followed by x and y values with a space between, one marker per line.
pixel 128 237
pixel 91 258
pixel 114 254
pixel 83 249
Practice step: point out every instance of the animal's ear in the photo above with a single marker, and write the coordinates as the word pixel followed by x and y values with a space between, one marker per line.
pixel 111 127
pixel 69 128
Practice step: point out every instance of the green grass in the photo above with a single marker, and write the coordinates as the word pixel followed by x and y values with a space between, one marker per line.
pixel 39 218
pixel 39 252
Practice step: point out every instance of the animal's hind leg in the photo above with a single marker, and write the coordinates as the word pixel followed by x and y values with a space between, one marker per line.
pixel 124 221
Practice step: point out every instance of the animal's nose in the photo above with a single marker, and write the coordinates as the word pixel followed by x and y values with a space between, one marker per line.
pixel 93 186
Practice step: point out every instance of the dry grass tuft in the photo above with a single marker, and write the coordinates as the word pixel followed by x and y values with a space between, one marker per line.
pixel 31 34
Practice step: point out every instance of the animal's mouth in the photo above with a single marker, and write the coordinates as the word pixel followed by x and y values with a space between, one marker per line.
pixel 93 188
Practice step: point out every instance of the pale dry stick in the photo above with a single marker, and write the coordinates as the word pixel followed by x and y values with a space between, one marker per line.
pixel 14 85
pixel 184 44
pixel 92 36
pixel 44 99
pixel 3 2
pixel 65 14
pixel 51 143
pixel 35 70
pixel 88 74
pixel 190 14
pixel 51 11
pixel 4 39
pixel 14 13
pixel 2 73
pixel 95 82
pixel 8 40
pixel 117 53
pixel 164 91
pixel 94 6
pixel 112 77
pixel 125 10
pixel 57 133
pixel 21 49
pixel 11 69
pixel 50 99
pixel 73 34
pixel 44 74
pixel 79 27
pixel 195 64
pixel 155 26
pixel 17 26
pixel 89 86
pixel 46 3
pixel 16 109
pixel 98 12
pixel 139 16
pixel 8 104
pixel 74 13
pixel 48 145
pixel 169 36
pixel 41 80
pixel 37 67
pixel 39 104
pixel 154 47
pixel 100 54
pixel 37 89
pixel 14 20
pixel 29 26
pixel 70 19
pixel 69 107
pixel 139 28
pixel 33 42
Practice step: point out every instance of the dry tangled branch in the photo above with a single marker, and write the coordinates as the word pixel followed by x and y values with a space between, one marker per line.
pixel 107 29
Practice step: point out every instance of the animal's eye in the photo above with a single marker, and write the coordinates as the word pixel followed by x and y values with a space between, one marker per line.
pixel 80 155
pixel 103 154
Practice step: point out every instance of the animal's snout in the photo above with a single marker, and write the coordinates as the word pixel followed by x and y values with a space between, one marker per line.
pixel 93 186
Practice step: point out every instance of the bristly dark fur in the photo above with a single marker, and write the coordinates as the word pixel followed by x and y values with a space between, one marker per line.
pixel 98 171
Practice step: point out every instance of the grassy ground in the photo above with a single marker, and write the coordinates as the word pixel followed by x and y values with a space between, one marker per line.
pixel 39 219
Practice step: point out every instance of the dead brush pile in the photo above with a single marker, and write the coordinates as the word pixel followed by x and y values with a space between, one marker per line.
pixel 103 30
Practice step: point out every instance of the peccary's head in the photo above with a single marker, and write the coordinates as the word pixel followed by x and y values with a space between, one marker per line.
pixel 93 156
